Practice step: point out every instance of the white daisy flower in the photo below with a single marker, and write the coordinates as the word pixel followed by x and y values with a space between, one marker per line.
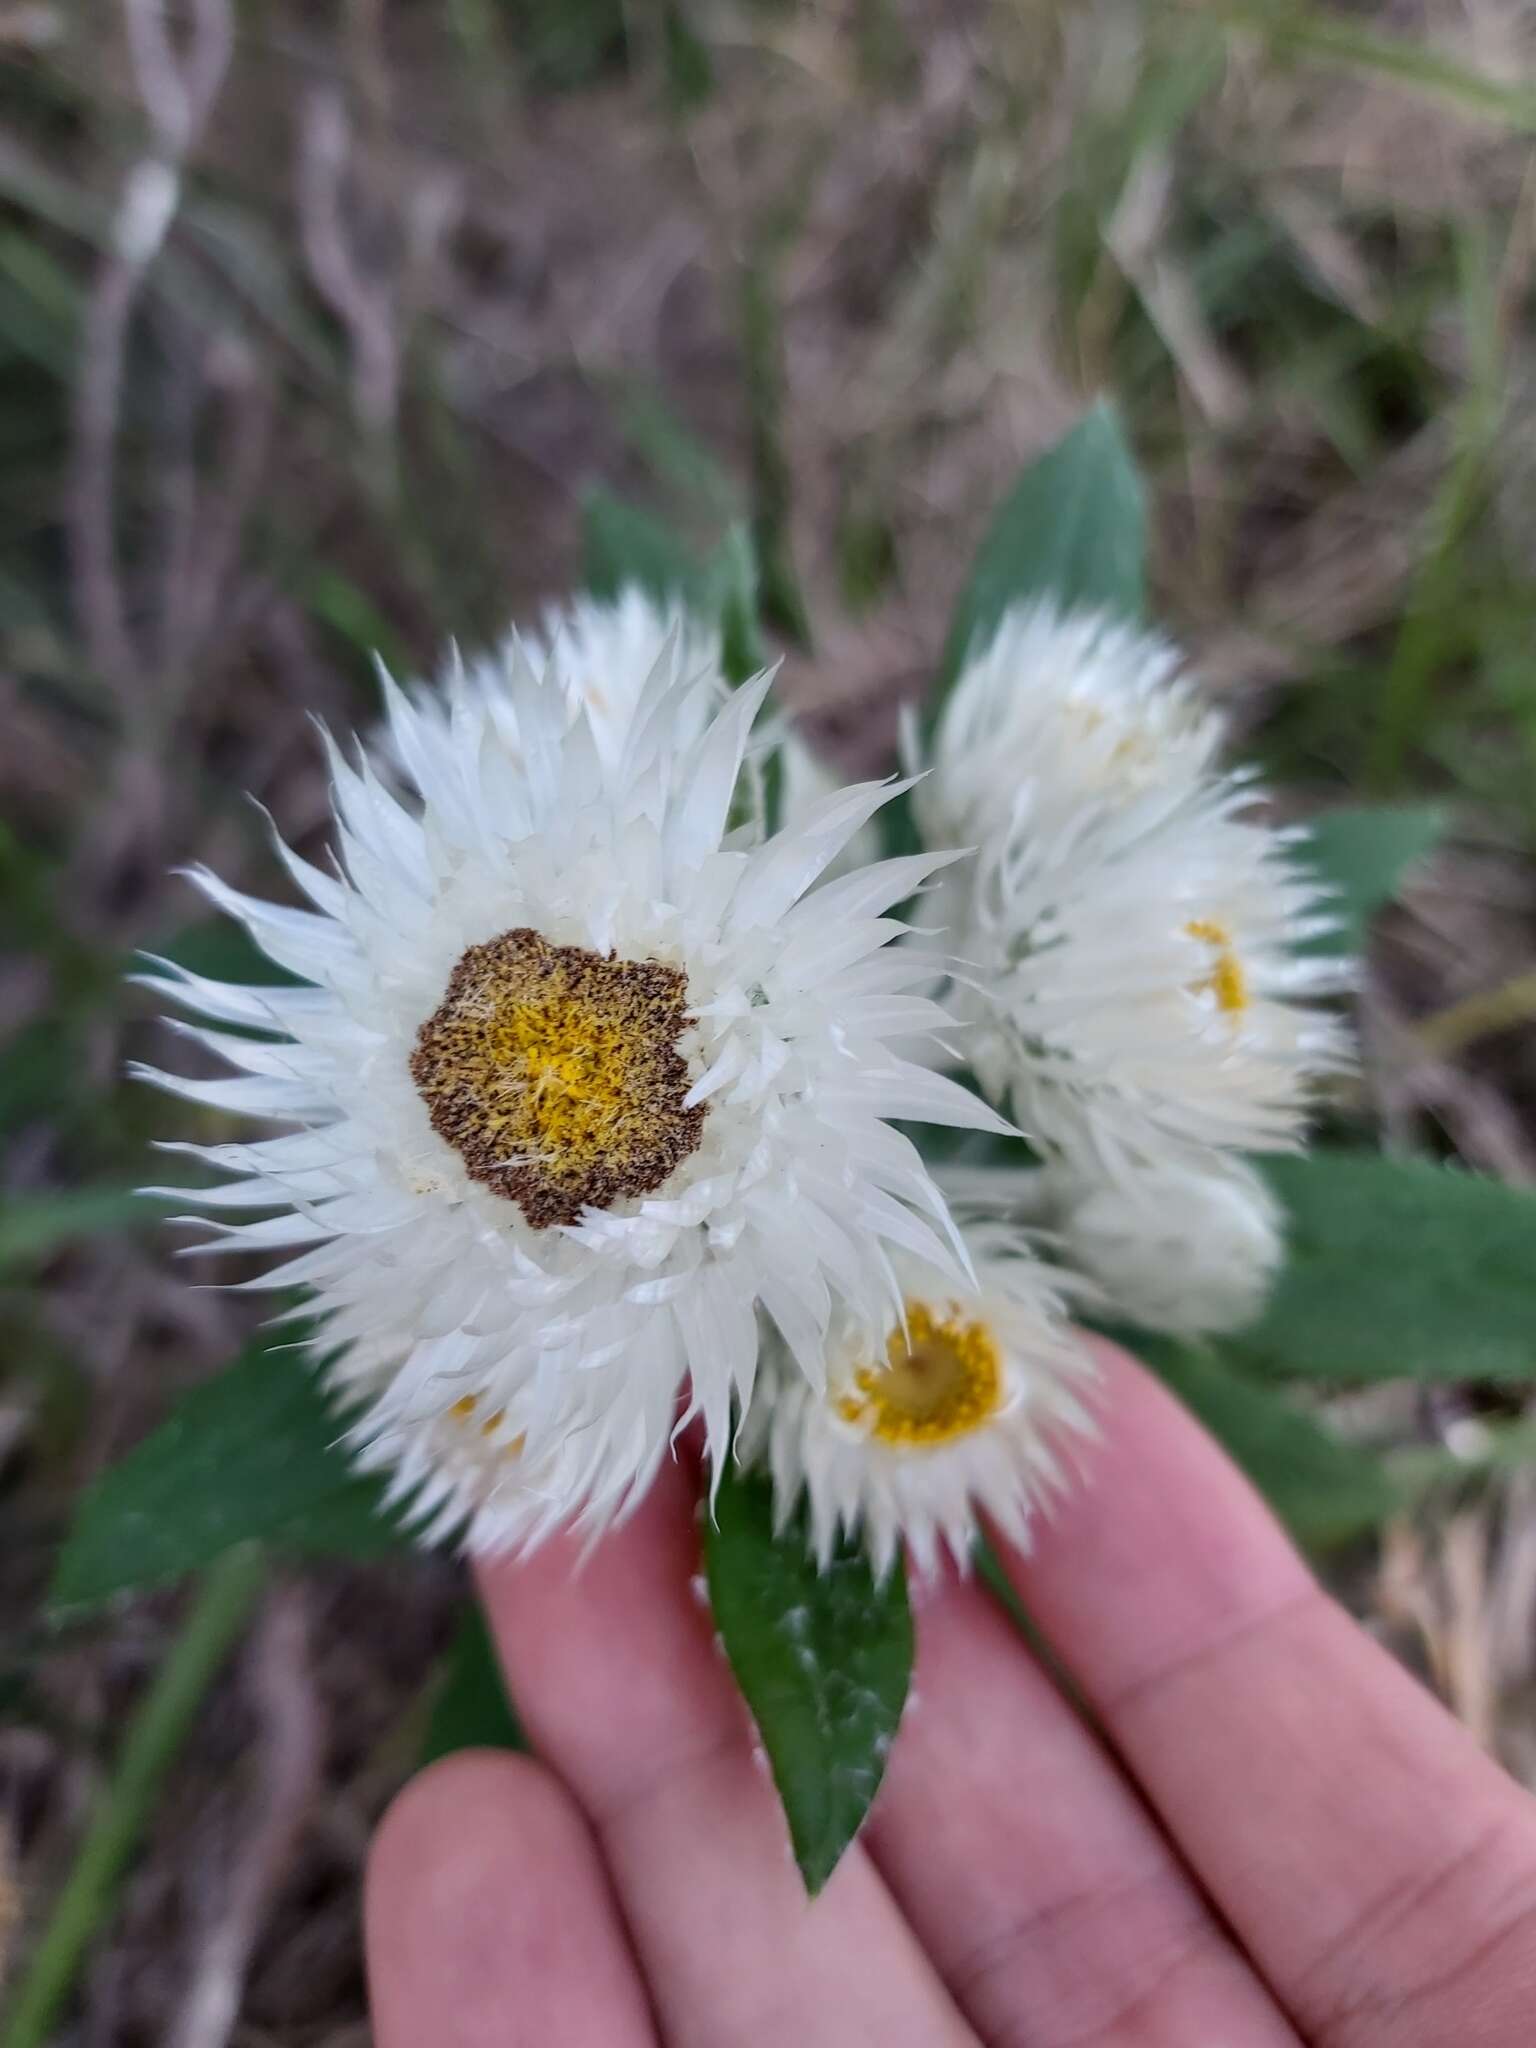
pixel 577 1089
pixel 957 1411
pixel 1076 706
pixel 1130 977
pixel 1186 1246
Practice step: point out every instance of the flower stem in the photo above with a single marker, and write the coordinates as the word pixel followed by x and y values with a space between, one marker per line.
pixel 228 1592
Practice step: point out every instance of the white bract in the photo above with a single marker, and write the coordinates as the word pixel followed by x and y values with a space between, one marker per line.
pixel 577 1090
pixel 598 652
pixel 1188 1246
pixel 963 1408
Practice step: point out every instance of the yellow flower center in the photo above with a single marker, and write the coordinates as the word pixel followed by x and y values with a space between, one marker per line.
pixel 1225 979
pixel 464 1408
pixel 942 1379
pixel 555 1074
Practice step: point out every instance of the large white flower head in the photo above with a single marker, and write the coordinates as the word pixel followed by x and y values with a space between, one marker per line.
pixel 1189 1246
pixel 960 1409
pixel 581 1086
pixel 1077 706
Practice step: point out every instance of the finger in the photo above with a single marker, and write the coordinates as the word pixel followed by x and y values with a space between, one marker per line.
pixel 1052 1905
pixel 618 1681
pixel 489 1918
pixel 1378 1867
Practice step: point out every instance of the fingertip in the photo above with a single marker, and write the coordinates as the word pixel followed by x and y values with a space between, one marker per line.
pixel 488 1915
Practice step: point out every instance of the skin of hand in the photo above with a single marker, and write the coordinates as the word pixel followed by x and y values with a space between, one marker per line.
pixel 1262 1832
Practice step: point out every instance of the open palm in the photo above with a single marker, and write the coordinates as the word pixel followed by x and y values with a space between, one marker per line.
pixel 1273 1837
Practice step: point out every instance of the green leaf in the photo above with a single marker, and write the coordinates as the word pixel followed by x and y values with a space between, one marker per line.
pixel 472 1710
pixel 690 75
pixel 224 951
pixel 730 595
pixel 1398 1269
pixel 625 545
pixel 34 1227
pixel 621 545
pixel 251 1455
pixel 1326 1490
pixel 823 1660
pixel 1072 528
pixel 1363 853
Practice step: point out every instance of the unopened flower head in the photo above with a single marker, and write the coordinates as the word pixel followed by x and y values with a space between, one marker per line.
pixel 961 1409
pixel 578 1090
pixel 1131 977
pixel 1188 1246
pixel 1071 707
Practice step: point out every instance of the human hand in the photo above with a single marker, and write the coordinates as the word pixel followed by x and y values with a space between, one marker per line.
pixel 1279 1837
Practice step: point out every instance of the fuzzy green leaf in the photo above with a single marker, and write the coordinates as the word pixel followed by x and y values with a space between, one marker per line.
pixel 251 1455
pixel 1073 528
pixel 1326 1490
pixel 472 1710
pixel 1363 852
pixel 1398 1269
pixel 823 1660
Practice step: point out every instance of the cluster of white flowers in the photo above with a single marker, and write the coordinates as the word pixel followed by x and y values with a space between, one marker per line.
pixel 593 1081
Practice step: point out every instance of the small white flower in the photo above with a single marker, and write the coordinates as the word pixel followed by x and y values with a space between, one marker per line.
pixel 597 653
pixel 1131 978
pixel 1076 706
pixel 1126 937
pixel 577 1090
pixel 958 1411
pixel 1189 1247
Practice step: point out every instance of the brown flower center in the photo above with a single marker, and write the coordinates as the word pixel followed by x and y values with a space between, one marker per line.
pixel 554 1072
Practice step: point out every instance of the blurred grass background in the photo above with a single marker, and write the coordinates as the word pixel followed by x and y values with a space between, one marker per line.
pixel 323 330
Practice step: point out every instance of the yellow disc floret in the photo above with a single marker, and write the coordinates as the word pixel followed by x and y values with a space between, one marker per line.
pixel 1225 980
pixel 555 1074
pixel 943 1378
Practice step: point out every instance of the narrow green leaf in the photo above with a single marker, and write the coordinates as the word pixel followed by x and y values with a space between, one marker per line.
pixel 250 1455
pixel 823 1660
pixel 1326 1490
pixel 1398 1269
pixel 1073 528
pixel 1328 36
pixel 472 1710
pixel 621 545
pixel 35 1226
pixel 624 545
pixel 1363 852
pixel 730 592
pixel 690 75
